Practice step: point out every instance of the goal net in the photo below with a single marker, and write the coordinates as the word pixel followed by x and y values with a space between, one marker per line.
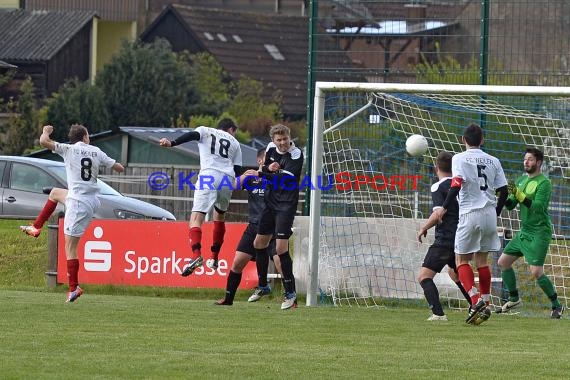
pixel 365 218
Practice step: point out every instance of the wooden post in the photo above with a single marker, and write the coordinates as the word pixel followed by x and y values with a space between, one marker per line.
pixel 51 272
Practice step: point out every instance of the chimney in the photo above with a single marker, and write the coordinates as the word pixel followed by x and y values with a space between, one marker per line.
pixel 415 13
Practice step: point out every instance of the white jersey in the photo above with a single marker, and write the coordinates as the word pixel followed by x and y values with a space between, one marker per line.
pixel 481 175
pixel 82 162
pixel 219 150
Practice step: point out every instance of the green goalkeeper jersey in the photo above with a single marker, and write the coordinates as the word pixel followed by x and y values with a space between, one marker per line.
pixel 536 218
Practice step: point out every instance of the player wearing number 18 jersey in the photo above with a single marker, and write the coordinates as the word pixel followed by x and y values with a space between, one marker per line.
pixel 82 163
pixel 220 163
pixel 476 178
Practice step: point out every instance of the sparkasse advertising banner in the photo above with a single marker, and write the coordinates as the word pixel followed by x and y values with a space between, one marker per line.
pixel 150 253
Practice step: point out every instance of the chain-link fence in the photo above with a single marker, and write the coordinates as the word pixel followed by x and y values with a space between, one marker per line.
pixel 503 42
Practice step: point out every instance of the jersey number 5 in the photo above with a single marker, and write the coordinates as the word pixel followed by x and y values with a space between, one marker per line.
pixel 223 149
pixel 480 174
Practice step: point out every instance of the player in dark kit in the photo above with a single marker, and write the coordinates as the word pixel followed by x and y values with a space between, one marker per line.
pixel 245 251
pixel 441 252
pixel 281 172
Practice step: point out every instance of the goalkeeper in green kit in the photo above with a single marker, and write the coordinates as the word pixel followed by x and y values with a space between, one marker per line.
pixel 532 192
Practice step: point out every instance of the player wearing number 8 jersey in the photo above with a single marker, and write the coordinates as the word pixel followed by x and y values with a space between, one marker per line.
pixel 220 163
pixel 82 163
pixel 476 178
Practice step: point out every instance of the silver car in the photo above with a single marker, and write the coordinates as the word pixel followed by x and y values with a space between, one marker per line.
pixel 26 181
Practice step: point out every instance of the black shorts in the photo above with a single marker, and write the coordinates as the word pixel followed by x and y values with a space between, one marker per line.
pixel 276 223
pixel 245 244
pixel 438 257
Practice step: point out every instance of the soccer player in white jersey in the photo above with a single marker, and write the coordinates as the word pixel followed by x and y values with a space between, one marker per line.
pixel 82 163
pixel 476 178
pixel 220 163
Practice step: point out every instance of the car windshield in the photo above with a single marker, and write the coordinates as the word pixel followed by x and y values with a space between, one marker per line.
pixel 104 189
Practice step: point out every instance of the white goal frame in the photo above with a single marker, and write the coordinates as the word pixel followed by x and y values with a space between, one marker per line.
pixel 322 88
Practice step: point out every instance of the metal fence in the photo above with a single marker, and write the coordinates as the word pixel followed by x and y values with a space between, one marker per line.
pixel 499 42
pixel 516 42
pixel 178 196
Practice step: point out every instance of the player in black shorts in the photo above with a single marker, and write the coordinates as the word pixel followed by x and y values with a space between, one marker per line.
pixel 441 252
pixel 281 173
pixel 245 251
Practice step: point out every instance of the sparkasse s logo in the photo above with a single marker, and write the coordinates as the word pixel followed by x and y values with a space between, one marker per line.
pixel 97 256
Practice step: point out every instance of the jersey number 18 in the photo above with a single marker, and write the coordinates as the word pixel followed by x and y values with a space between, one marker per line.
pixel 223 148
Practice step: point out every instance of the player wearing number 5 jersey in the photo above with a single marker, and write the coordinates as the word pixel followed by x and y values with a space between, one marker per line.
pixel 82 163
pixel 220 163
pixel 476 178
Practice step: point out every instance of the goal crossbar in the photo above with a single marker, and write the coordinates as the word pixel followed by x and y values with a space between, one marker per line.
pixel 321 87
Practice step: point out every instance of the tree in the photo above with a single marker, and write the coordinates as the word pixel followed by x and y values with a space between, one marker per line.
pixel 250 109
pixel 23 127
pixel 77 102
pixel 448 70
pixel 4 80
pixel 212 85
pixel 217 95
pixel 146 85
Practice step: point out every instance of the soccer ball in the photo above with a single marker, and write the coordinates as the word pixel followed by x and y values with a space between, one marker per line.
pixel 416 145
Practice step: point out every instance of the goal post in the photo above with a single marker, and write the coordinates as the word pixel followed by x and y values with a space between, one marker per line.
pixel 363 223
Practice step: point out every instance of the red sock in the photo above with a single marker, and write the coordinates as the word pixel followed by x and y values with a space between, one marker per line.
pixel 218 238
pixel 467 279
pixel 195 235
pixel 44 215
pixel 485 283
pixel 73 273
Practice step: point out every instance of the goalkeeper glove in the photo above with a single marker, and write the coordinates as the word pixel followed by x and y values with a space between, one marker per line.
pixel 514 190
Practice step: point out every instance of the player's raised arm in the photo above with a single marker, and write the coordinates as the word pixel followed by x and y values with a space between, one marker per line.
pixel 165 142
pixel 188 136
pixel 45 139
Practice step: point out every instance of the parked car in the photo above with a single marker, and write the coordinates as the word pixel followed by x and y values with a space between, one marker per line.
pixel 26 181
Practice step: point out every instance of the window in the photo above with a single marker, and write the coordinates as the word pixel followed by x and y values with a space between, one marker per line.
pixel 275 53
pixel 29 178
pixel 2 166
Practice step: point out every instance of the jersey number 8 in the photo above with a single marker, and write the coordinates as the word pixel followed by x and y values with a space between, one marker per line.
pixel 86 165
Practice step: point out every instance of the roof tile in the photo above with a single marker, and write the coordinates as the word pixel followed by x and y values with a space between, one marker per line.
pixel 38 35
pixel 289 34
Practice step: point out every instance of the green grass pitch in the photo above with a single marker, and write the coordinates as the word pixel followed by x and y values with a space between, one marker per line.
pixel 135 337
pixel 150 333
